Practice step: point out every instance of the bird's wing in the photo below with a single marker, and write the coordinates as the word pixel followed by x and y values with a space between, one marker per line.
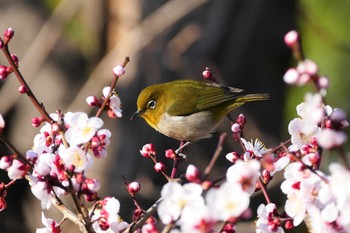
pixel 209 95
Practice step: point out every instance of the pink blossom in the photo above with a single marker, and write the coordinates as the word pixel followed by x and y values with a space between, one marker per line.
pixel 329 138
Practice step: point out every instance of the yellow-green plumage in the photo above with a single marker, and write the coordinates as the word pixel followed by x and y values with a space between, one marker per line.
pixel 189 110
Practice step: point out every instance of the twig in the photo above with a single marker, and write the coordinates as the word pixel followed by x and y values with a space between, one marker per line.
pixel 39 106
pixel 113 84
pixel 148 213
pixel 215 156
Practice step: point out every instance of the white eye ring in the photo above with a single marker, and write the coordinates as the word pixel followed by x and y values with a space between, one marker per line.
pixel 152 104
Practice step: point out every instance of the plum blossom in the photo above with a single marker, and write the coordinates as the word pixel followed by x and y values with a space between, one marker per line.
pixel 197 219
pixel 229 200
pixel 51 226
pixel 108 218
pixel 176 198
pixel 265 223
pixel 76 157
pixel 329 138
pixel 17 170
pixel 81 127
pixel 100 142
pixel 114 102
pixel 245 174
pixel 257 147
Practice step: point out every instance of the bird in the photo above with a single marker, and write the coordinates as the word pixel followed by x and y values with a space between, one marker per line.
pixel 189 110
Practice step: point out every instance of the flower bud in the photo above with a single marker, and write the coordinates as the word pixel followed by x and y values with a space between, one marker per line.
pixel 289 224
pixel 148 150
pixel 170 154
pixel 192 174
pixel 4 72
pixel 15 59
pixel 118 70
pixel 36 122
pixel 308 67
pixel 159 167
pixel 236 128
pixel 93 101
pixel 233 156
pixel 323 82
pixel 22 89
pixel 8 34
pixel 241 120
pixel 291 76
pixel 291 38
pixel 134 187
pixel 207 74
pixel 6 162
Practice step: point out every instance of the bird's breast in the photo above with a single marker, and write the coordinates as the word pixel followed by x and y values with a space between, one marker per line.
pixel 188 128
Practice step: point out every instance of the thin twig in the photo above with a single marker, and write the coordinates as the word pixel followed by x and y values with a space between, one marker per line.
pixel 39 106
pixel 215 156
pixel 148 213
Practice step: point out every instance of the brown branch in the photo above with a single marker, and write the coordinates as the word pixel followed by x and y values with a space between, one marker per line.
pixel 215 156
pixel 39 106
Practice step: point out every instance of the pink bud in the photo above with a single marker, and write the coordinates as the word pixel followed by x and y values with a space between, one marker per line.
pixel 134 187
pixel 148 150
pixel 159 167
pixel 22 89
pixel 192 174
pixel 289 224
pixel 6 162
pixel 118 70
pixel 233 157
pixel 4 72
pixel 241 120
pixel 266 175
pixel 291 38
pixel 15 59
pixel 236 128
pixel 207 74
pixel 8 34
pixel 291 76
pixel 307 66
pixel 36 122
pixel 93 101
pixel 170 154
pixel 323 82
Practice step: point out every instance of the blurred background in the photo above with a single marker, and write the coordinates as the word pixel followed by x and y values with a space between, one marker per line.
pixel 68 48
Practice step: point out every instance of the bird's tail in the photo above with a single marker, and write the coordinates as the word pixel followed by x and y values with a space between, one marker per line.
pixel 253 97
pixel 240 100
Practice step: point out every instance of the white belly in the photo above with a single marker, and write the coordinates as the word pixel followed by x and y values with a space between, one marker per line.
pixel 187 128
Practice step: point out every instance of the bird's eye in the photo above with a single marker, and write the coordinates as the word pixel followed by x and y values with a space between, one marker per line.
pixel 152 104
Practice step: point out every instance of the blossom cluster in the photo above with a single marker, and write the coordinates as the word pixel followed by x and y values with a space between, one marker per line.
pixel 62 153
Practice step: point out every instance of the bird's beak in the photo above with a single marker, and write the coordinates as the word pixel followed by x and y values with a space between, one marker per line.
pixel 137 113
